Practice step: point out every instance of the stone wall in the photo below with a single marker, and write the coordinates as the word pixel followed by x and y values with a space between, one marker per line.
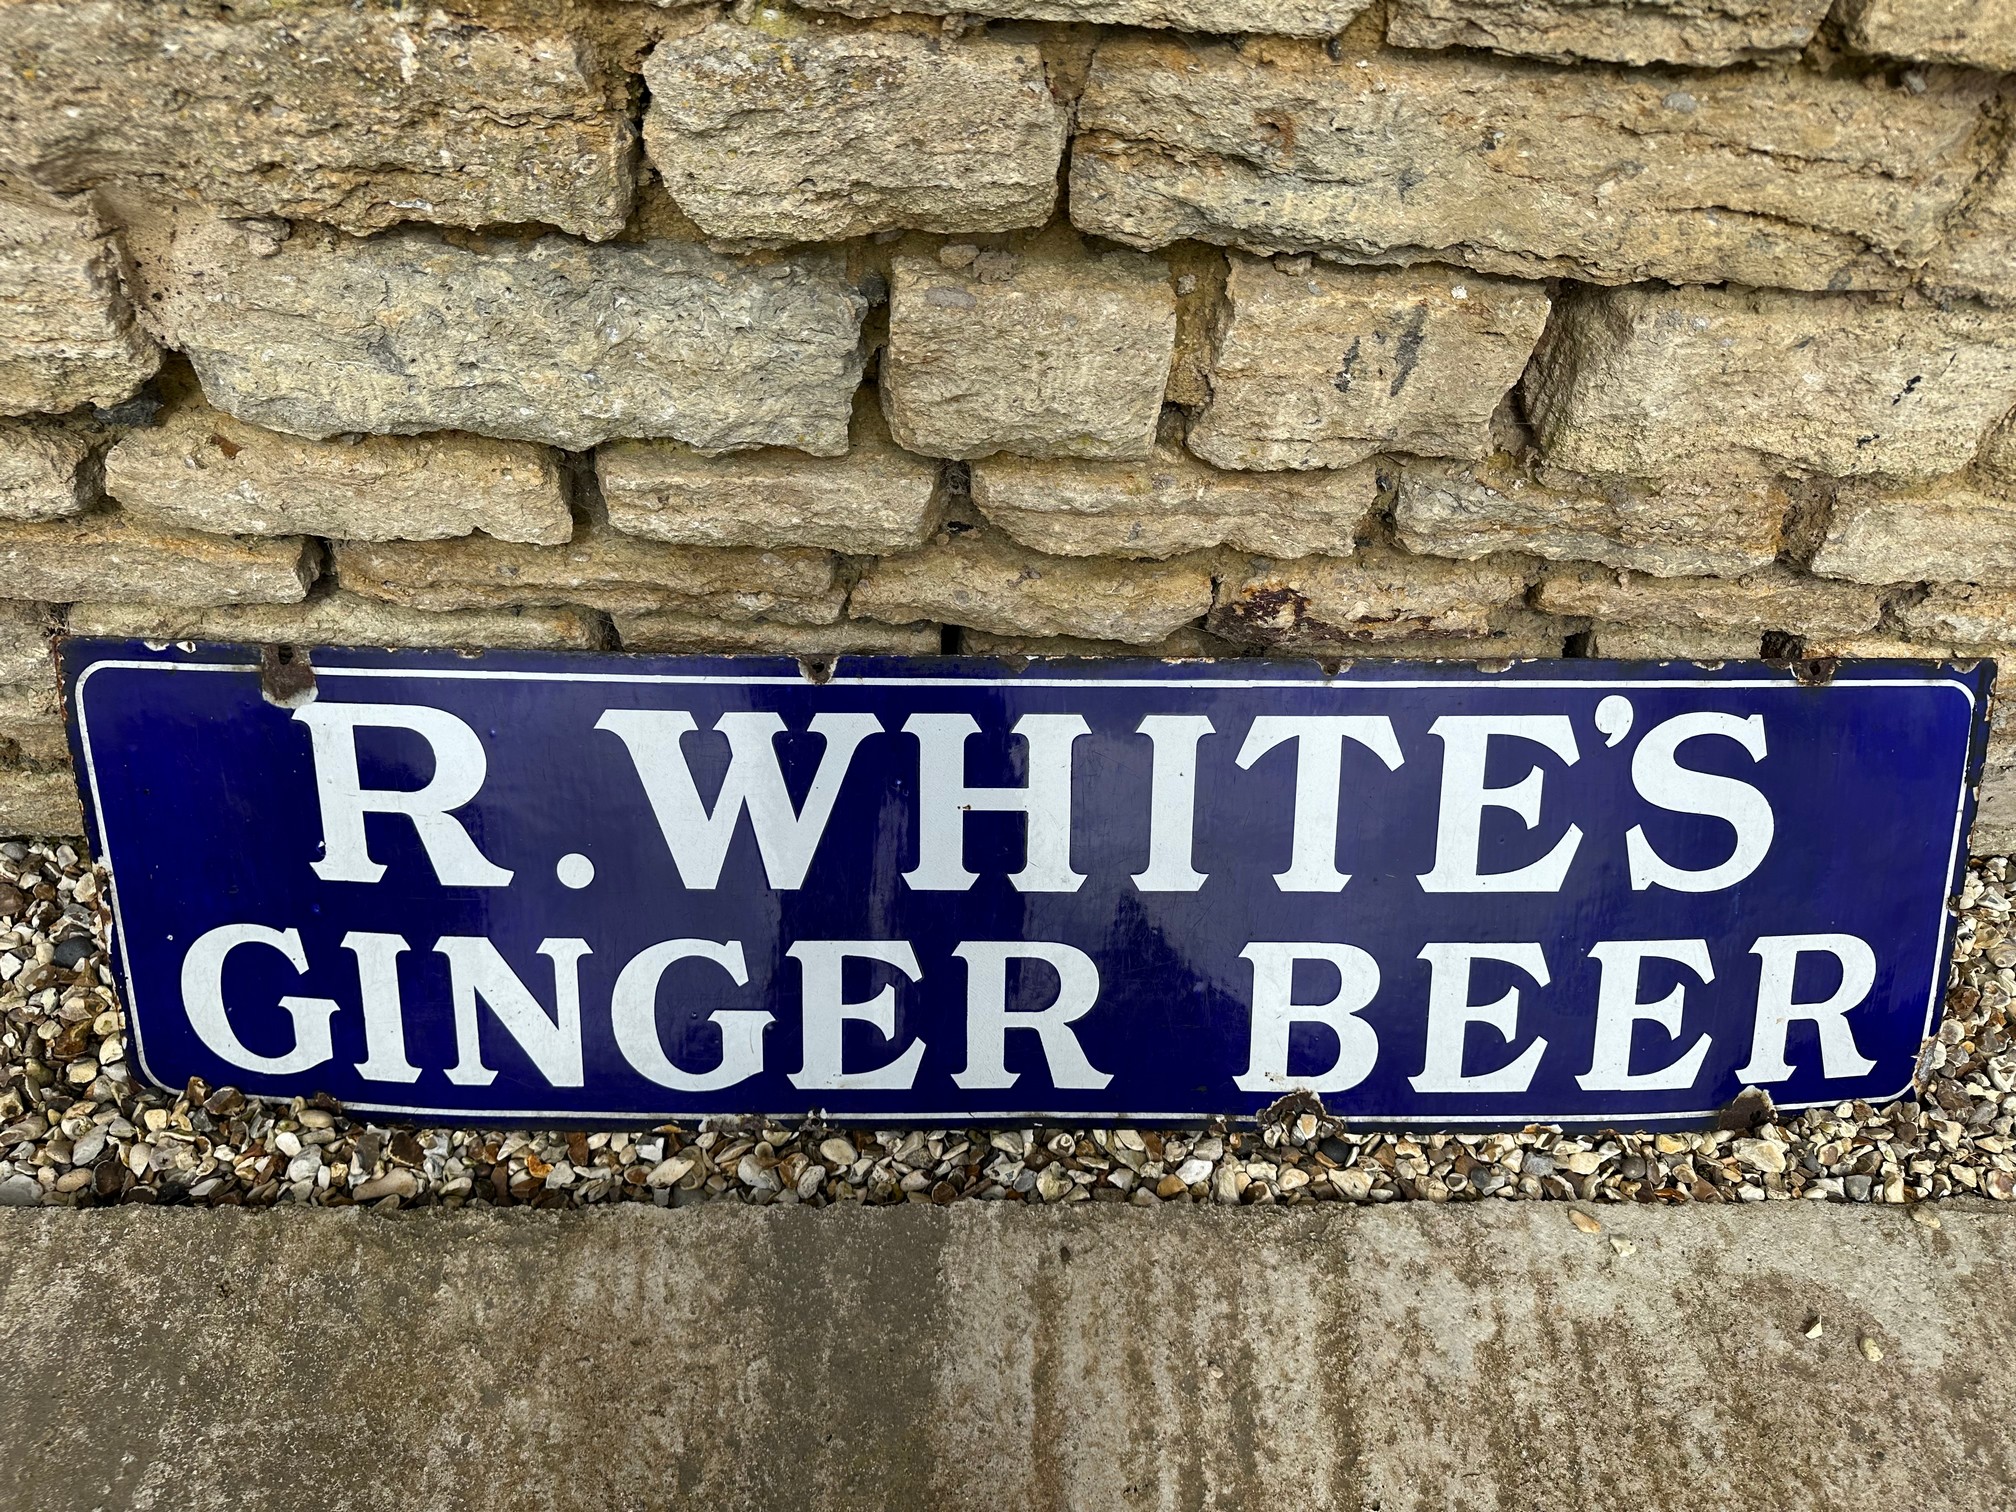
pixel 1446 328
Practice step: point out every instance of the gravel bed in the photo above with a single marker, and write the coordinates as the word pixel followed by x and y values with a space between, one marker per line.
pixel 77 1127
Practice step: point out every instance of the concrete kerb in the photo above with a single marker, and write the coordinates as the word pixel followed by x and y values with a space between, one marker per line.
pixel 1489 1356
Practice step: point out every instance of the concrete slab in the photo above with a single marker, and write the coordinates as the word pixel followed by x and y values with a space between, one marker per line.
pixel 1485 1358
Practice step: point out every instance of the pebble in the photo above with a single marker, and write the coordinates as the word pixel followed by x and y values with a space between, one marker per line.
pixel 78 1128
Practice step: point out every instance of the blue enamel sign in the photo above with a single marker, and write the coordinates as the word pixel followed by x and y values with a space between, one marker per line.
pixel 577 888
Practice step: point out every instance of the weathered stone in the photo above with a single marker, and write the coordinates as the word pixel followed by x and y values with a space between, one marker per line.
pixel 547 339
pixel 985 583
pixel 1323 366
pixel 202 469
pixel 1324 603
pixel 1508 635
pixel 1188 643
pixel 796 129
pixel 114 554
pixel 39 801
pixel 31 723
pixel 1978 257
pixel 1773 599
pixel 345 619
pixel 1055 354
pixel 358 116
pixel 875 499
pixel 1672 643
pixel 1978 32
pixel 67 335
pixel 1951 531
pixel 1282 18
pixel 600 568
pixel 848 637
pixel 1703 33
pixel 1776 178
pixel 48 469
pixel 1638 380
pixel 1170 504
pixel 1674 527
pixel 24 642
pixel 1957 615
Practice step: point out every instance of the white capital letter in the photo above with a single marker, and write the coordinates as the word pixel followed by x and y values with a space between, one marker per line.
pixel 1466 746
pixel 1776 1012
pixel 943 801
pixel 1172 802
pixel 988 1019
pixel 633 1013
pixel 552 1044
pixel 1662 781
pixel 1275 1011
pixel 699 839
pixel 1618 1010
pixel 384 1014
pixel 203 1000
pixel 1451 1013
pixel 1319 775
pixel 825 1012
pixel 459 765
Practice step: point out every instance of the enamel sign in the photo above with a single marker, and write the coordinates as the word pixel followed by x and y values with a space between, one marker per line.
pixel 580 888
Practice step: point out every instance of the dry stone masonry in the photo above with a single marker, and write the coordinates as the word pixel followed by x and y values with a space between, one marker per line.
pixel 1336 328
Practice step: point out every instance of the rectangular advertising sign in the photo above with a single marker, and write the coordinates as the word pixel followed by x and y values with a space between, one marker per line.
pixel 580 888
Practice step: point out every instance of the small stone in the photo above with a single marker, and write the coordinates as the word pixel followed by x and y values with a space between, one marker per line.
pixel 1815 1328
pixel 1761 1155
pixel 19 1190
pixel 12 900
pixel 397 1182
pixel 1584 1221
pixel 1353 1184
pixel 1871 1350
pixel 838 1151
pixel 1924 1216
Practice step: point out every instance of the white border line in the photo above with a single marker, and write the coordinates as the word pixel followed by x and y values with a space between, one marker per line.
pixel 454 1117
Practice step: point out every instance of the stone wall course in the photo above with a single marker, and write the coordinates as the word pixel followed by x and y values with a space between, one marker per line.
pixel 1320 605
pixel 601 568
pixel 25 629
pixel 1319 366
pixel 543 339
pixel 1659 642
pixel 48 469
pixel 39 800
pixel 119 555
pixel 981 581
pixel 1172 503
pixel 1768 177
pixel 67 333
pixel 202 469
pixel 1286 18
pixel 1951 530
pixel 672 631
pixel 778 132
pixel 1773 599
pixel 1048 351
pixel 1647 379
pixel 344 619
pixel 465 113
pixel 1701 33
pixel 877 498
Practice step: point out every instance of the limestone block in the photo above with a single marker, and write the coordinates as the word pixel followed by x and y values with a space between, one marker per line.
pixel 1960 615
pixel 1640 380
pixel 982 582
pixel 1322 366
pixel 1188 643
pixel 1282 18
pixel 1709 526
pixel 1046 353
pixel 544 339
pixel 1673 643
pixel 48 469
pixel 1951 530
pixel 878 498
pixel 1773 599
pixel 1702 33
pixel 1776 178
pixel 67 335
pixel 1978 258
pixel 31 723
pixel 115 555
pixel 344 619
pixel 358 116
pixel 39 801
pixel 811 131
pixel 1508 635
pixel 1170 504
pixel 697 634
pixel 1321 603
pixel 1979 32
pixel 24 642
pixel 202 469
pixel 600 568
